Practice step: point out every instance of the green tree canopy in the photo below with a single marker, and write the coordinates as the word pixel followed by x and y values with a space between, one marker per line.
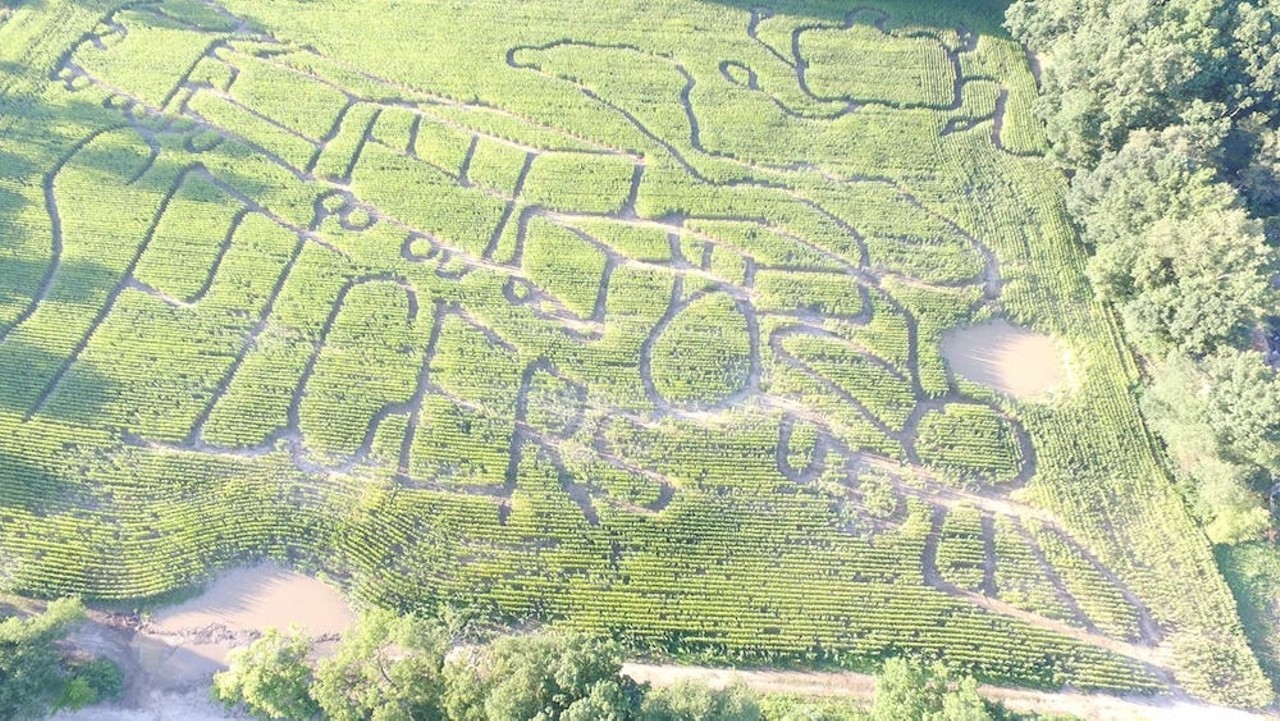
pixel 1193 284
pixel 1114 67
pixel 1221 421
pixel 32 677
pixel 1166 111
pixel 388 668
pixel 270 678
pixel 909 691
pixel 1167 174
pixel 690 700
pixel 543 677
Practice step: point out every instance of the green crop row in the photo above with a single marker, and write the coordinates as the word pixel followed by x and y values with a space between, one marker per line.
pixel 388 289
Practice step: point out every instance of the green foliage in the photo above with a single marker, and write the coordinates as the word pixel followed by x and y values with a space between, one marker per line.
pixel 102 676
pixel 1259 181
pixel 1096 596
pixel 76 694
pixel 1166 175
pixel 387 668
pixel 1253 572
pixel 690 700
pixel 865 64
pixel 971 442
pixel 961 550
pixel 149 57
pixel 792 707
pixel 580 182
pixel 1217 664
pixel 149 433
pixel 1221 421
pixel 562 263
pixel 1114 68
pixel 1166 111
pixel 703 355
pixel 1021 580
pixel 270 677
pixel 90 681
pixel 544 677
pixel 909 691
pixel 32 677
pixel 292 99
pixel 1186 267
pixel 1192 285
pixel 390 668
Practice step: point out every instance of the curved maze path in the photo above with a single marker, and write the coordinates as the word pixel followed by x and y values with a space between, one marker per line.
pixel 480 276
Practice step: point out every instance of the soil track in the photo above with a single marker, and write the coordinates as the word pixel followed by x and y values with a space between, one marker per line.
pixel 690 157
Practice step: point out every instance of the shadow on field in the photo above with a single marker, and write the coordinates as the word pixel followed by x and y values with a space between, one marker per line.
pixel 20 280
pixel 10 68
pixel 13 165
pixel 986 16
pixel 18 168
pixel 29 487
pixel 25 373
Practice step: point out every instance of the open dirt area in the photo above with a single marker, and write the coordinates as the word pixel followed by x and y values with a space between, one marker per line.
pixel 169 658
pixel 192 705
pixel 1011 359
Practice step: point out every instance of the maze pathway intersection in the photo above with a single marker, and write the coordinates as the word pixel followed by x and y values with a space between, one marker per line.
pixel 504 359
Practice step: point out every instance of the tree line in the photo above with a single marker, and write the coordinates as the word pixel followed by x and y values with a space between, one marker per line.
pixel 1164 112
pixel 39 673
pixel 405 668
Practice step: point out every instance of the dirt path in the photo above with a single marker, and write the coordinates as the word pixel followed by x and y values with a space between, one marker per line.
pixel 977 354
pixel 1096 707
pixel 1157 660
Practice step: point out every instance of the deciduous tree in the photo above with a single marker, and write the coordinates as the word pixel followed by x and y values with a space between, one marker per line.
pixel 270 678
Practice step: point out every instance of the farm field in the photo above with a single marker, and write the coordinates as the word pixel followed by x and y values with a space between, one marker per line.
pixel 545 310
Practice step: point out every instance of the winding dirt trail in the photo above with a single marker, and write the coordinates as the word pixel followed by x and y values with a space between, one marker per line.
pixel 776 180
pixel 1158 661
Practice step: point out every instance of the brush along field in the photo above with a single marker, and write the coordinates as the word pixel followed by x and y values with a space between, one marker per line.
pixel 622 316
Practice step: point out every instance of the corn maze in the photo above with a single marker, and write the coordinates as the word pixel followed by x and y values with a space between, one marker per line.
pixel 584 323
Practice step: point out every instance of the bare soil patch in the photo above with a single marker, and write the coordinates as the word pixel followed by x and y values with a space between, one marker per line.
pixel 254 598
pixel 169 660
pixel 1011 359
pixel 193 705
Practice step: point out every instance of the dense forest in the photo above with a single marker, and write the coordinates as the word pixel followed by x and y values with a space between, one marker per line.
pixel 1165 114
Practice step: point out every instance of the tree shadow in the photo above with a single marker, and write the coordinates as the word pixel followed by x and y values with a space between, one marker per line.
pixel 16 5
pixel 20 277
pixel 985 16
pixel 16 167
pixel 26 371
pixel 30 486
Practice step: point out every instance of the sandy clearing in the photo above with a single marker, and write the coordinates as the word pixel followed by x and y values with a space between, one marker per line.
pixel 169 660
pixel 189 642
pixel 1009 358
pixel 187 706
pixel 258 597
